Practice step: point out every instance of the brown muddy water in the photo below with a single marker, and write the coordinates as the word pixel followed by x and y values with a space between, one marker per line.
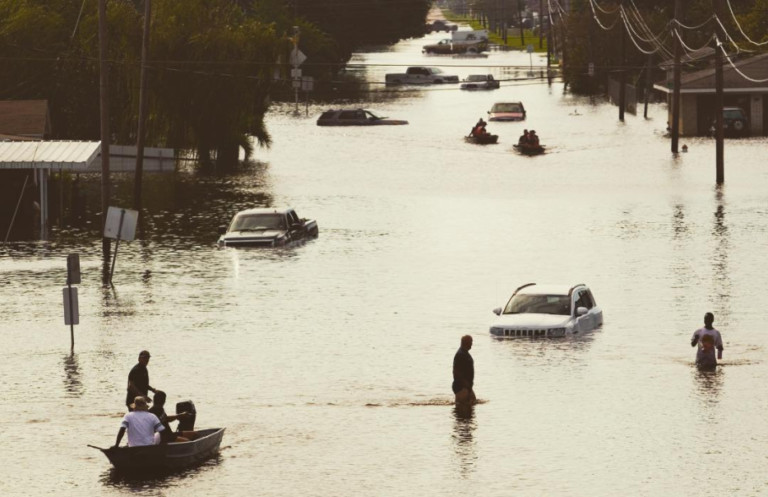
pixel 329 363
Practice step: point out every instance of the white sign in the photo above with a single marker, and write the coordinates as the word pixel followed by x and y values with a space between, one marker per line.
pixel 530 48
pixel 296 73
pixel 74 316
pixel 112 227
pixel 591 68
pixel 297 57
pixel 307 83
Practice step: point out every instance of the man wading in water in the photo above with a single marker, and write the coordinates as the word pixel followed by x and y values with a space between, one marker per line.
pixel 708 339
pixel 464 374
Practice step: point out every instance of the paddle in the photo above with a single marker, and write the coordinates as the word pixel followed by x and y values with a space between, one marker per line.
pixel 93 446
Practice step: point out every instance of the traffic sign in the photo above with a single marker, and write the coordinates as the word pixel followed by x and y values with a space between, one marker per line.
pixel 297 57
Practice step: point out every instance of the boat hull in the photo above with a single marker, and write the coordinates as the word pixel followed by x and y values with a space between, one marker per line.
pixel 530 150
pixel 165 457
pixel 482 140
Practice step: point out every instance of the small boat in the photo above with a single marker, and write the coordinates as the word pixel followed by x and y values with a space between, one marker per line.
pixel 529 149
pixel 487 139
pixel 164 457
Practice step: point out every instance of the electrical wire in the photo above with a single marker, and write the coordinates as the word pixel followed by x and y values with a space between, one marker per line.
pixel 735 68
pixel 738 25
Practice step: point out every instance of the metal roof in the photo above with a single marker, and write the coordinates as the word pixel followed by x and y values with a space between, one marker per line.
pixel 68 155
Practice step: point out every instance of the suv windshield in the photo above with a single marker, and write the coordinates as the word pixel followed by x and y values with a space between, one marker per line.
pixel 539 304
pixel 506 108
pixel 258 222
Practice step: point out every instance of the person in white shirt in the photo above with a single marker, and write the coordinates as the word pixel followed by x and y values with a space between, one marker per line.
pixel 708 339
pixel 140 424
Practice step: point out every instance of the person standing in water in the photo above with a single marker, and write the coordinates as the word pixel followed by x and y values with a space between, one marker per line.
pixel 708 339
pixel 464 374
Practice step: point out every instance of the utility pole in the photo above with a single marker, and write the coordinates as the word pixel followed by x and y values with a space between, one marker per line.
pixel 676 83
pixel 296 72
pixel 104 107
pixel 541 24
pixel 623 73
pixel 142 108
pixel 647 91
pixel 719 143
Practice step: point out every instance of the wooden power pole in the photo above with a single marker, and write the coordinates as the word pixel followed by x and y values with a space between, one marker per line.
pixel 719 142
pixel 676 83
pixel 142 108
pixel 104 107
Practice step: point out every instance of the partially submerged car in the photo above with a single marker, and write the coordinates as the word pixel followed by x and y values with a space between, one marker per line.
pixel 440 25
pixel 507 111
pixel 267 227
pixel 354 117
pixel 480 82
pixel 541 311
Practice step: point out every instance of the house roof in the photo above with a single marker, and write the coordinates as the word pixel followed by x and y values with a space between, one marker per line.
pixel 703 81
pixel 24 118
pixel 74 156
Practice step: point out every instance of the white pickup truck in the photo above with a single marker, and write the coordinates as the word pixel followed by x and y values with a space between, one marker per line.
pixel 421 75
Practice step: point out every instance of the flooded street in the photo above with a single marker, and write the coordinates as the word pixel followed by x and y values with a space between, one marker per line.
pixel 329 363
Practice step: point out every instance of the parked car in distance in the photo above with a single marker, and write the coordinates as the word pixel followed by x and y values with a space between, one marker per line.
pixel 480 82
pixel 421 75
pixel 735 122
pixel 267 227
pixel 507 111
pixel 354 117
pixel 547 311
pixel 441 25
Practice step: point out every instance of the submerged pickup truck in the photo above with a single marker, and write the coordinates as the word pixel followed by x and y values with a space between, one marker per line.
pixel 267 227
pixel 474 41
pixel 421 75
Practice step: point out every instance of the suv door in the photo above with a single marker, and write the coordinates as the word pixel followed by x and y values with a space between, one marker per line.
pixel 588 321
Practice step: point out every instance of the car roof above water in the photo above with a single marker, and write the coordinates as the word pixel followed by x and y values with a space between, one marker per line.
pixel 265 210
pixel 547 289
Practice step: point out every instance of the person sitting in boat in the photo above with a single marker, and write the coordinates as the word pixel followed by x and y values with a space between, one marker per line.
pixel 140 424
pixel 168 435
pixel 524 138
pixel 533 138
pixel 479 128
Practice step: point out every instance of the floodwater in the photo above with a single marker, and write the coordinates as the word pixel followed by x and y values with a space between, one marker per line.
pixel 329 363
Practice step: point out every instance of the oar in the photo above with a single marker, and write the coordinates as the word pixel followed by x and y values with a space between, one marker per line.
pixel 93 446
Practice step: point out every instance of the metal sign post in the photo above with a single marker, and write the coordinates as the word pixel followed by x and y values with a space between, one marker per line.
pixel 71 307
pixel 121 225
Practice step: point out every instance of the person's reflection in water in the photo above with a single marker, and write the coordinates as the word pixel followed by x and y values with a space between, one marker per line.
pixel 708 385
pixel 72 384
pixel 463 438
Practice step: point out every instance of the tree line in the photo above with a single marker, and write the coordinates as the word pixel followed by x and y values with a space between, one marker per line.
pixel 213 65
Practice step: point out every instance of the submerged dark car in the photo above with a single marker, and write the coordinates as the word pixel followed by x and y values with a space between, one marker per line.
pixel 354 117
pixel 267 227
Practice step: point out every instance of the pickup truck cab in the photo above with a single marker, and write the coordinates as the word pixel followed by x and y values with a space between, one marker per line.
pixel 473 41
pixel 421 75
pixel 267 227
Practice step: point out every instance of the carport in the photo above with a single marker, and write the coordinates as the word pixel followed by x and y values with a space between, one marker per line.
pixel 40 157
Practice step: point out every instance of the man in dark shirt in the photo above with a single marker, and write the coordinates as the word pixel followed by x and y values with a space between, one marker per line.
pixel 138 380
pixel 464 373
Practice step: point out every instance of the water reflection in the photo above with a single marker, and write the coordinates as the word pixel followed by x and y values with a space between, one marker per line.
pixel 463 438
pixel 156 480
pixel 721 298
pixel 72 384
pixel 708 385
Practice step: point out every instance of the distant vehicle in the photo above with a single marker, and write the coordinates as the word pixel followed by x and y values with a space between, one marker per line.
pixel 421 75
pixel 267 227
pixel 353 117
pixel 480 82
pixel 472 42
pixel 547 311
pixel 735 122
pixel 507 111
pixel 441 25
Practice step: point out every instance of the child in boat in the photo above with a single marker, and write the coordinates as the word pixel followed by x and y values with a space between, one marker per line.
pixel 168 435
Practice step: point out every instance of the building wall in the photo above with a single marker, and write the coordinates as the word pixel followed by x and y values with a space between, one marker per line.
pixel 689 125
pixel 756 115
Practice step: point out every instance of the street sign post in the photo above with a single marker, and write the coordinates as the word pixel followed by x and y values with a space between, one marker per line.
pixel 120 225
pixel 71 307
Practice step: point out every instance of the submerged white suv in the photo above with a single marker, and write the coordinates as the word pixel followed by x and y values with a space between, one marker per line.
pixel 547 311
